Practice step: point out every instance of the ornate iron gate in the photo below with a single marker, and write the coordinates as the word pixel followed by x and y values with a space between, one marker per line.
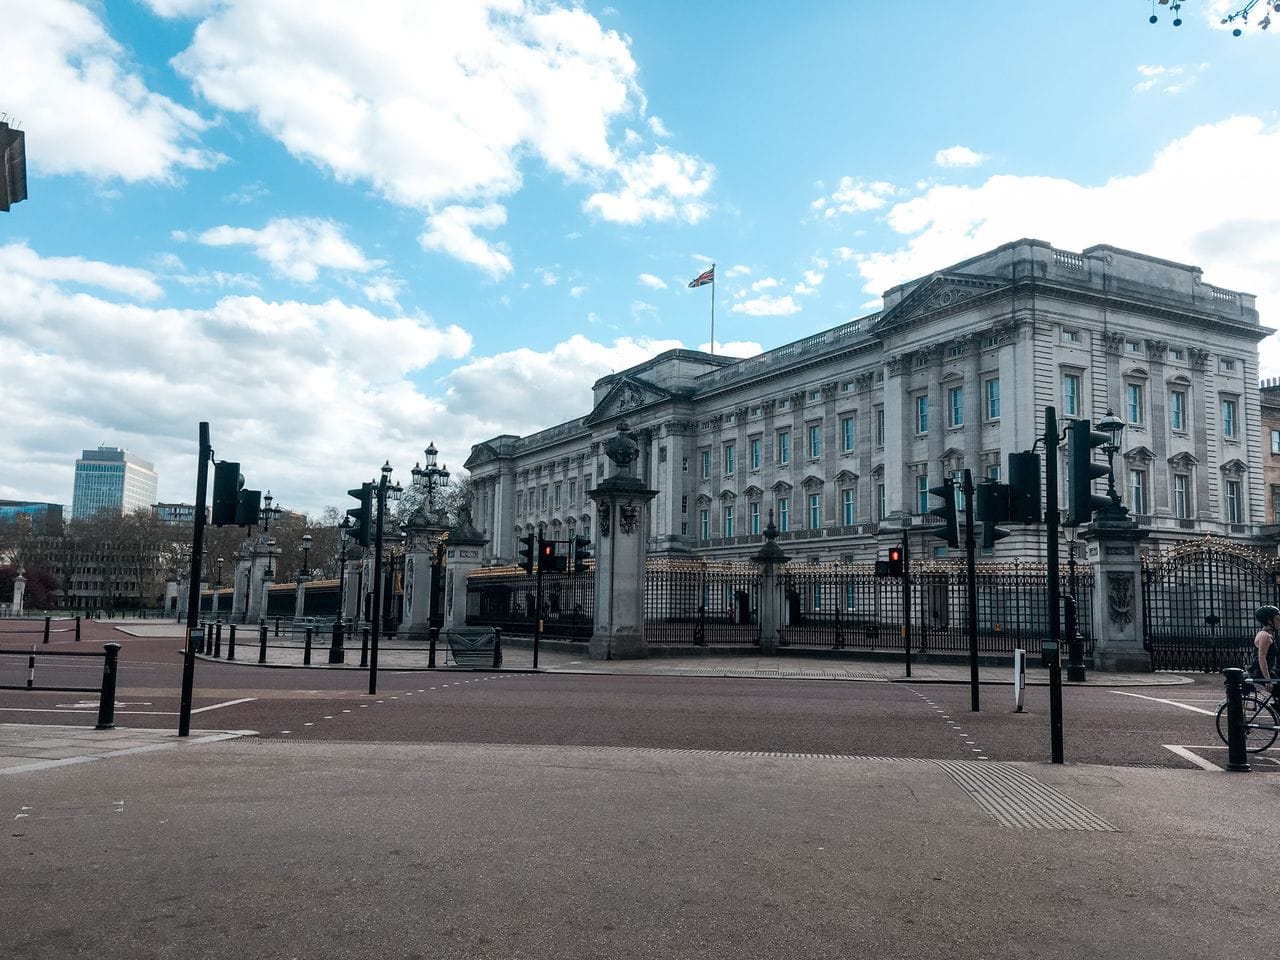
pixel 1198 601
pixel 701 602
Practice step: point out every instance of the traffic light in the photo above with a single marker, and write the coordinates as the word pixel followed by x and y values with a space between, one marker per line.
pixel 248 508
pixel 990 504
pixel 581 553
pixel 526 553
pixel 991 533
pixel 895 562
pixel 882 568
pixel 950 529
pixel 227 483
pixel 362 516
pixel 548 560
pixel 1082 471
pixel 1024 488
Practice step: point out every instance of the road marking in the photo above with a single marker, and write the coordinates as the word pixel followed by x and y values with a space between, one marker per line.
pixel 1172 703
pixel 1186 754
pixel 228 703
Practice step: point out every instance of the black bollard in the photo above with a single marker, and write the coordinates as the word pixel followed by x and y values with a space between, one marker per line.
pixel 217 640
pixel 364 647
pixel 262 643
pixel 1237 732
pixel 497 647
pixel 1075 646
pixel 306 649
pixel 46 628
pixel 336 653
pixel 231 642
pixel 434 633
pixel 77 629
pixel 277 626
pixel 107 699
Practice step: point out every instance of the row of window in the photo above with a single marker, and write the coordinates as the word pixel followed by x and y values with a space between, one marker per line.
pixel 1138 503
pixel 551 496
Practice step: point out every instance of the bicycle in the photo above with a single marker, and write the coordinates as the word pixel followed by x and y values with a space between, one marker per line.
pixel 1261 717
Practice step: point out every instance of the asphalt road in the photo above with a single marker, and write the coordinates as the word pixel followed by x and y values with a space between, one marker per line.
pixel 1124 726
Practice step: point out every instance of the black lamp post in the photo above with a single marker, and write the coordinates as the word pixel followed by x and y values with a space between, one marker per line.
pixel 1112 426
pixel 385 490
pixel 306 554
pixel 304 574
pixel 1075 645
pixel 343 528
pixel 217 584
pixel 269 512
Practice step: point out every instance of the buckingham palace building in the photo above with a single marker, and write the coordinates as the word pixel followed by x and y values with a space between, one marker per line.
pixel 843 432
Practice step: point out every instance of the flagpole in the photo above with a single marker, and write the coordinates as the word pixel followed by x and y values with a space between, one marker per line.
pixel 713 309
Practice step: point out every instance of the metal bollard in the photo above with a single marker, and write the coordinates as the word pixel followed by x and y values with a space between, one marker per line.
pixel 306 649
pixel 364 647
pixel 46 628
pixel 217 640
pixel 107 699
pixel 497 647
pixel 231 642
pixel 77 628
pixel 262 643
pixel 434 633
pixel 1237 732
pixel 336 653
pixel 277 626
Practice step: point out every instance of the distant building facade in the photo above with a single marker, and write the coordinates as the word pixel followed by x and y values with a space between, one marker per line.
pixel 176 513
pixel 112 479
pixel 45 518
pixel 845 429
pixel 1269 395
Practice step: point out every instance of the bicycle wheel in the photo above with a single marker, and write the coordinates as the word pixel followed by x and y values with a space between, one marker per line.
pixel 1260 715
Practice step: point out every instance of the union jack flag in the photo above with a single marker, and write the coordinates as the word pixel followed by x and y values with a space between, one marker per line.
pixel 705 277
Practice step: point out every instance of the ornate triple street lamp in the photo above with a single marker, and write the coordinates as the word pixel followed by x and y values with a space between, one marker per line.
pixel 269 512
pixel 431 477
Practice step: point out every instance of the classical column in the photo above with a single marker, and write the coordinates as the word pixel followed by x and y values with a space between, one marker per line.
pixel 621 501
pixel 1112 549
pixel 423 540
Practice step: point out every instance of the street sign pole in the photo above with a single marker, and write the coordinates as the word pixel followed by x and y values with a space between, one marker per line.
pixel 193 591
pixel 1052 655
pixel 971 585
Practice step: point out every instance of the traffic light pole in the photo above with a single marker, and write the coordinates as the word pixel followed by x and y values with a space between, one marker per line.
pixel 537 628
pixel 906 593
pixel 193 591
pixel 971 585
pixel 1051 518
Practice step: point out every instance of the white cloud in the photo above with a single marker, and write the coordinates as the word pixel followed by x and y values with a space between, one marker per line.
pixel 549 278
pixel 654 283
pixel 767 307
pixel 25 267
pixel 959 156
pixel 493 392
pixel 663 185
pixel 855 196
pixel 1183 207
pixel 313 411
pixel 658 128
pixel 452 231
pixel 737 270
pixel 1216 12
pixel 577 292
pixel 764 283
pixel 437 106
pixel 740 349
pixel 295 248
pixel 1170 80
pixel 95 116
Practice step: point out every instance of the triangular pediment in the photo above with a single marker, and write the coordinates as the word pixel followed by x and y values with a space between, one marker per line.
pixel 781 487
pixel 1139 455
pixel 846 476
pixel 941 293
pixel 1183 460
pixel 812 481
pixel 752 492
pixel 1234 468
pixel 625 396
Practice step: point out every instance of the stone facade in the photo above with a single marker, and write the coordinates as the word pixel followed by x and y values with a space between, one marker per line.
pixel 848 427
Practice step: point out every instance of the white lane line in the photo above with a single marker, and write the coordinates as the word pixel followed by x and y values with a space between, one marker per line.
pixel 228 703
pixel 1195 758
pixel 1172 703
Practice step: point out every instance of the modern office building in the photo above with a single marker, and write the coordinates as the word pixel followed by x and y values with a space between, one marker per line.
pixel 45 518
pixel 109 478
pixel 851 426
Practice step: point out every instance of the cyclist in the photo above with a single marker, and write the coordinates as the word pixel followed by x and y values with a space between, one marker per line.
pixel 1265 664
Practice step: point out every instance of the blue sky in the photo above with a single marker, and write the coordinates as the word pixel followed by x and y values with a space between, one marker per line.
pixel 339 241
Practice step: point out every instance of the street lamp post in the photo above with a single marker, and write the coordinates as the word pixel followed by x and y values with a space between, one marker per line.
pixel 304 574
pixel 1075 645
pixel 1112 426
pixel 384 490
pixel 428 478
pixel 217 584
pixel 343 528
pixel 269 512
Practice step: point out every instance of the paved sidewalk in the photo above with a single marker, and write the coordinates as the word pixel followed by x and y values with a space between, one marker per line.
pixel 394 654
pixel 27 747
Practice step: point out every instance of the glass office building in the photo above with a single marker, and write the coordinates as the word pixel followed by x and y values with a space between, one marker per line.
pixel 112 479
